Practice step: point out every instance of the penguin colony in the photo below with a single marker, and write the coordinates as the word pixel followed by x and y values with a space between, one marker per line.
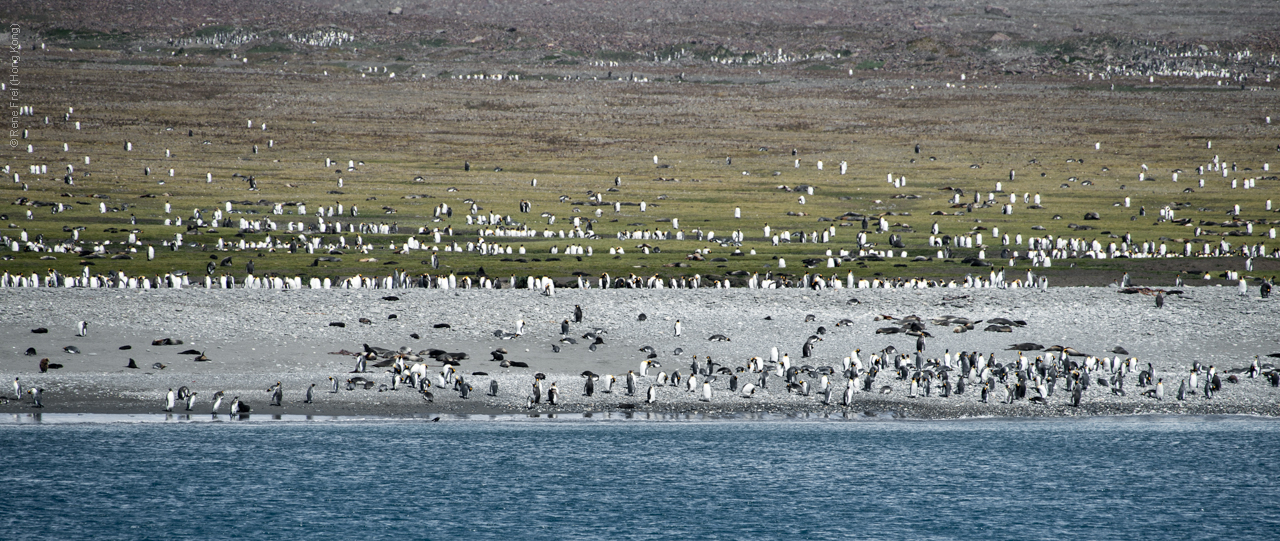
pixel 332 230
pixel 1026 373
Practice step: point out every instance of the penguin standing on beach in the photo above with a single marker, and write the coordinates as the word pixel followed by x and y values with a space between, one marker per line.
pixel 277 394
pixel 1182 390
pixel 309 395
pixel 335 384
pixel 553 395
pixel 653 395
pixel 564 328
pixel 235 406
pixel 678 328
pixel 493 387
pixel 35 397
pixel 577 313
pixel 217 401
pixel 631 383
pixel 191 400
pixel 82 329
pixel 169 400
pixel 17 388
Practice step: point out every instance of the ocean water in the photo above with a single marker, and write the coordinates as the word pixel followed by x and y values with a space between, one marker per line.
pixel 517 478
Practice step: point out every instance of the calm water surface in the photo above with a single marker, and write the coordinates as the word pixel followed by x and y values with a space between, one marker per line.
pixel 1127 478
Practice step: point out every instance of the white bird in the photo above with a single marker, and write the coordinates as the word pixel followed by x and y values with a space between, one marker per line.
pixel 748 390
pixel 644 368
pixel 608 382
pixel 217 401
pixel 691 383
pixel 82 328
pixel 169 400
pixel 706 391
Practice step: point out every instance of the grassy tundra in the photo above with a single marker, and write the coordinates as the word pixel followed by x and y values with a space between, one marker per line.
pixel 412 135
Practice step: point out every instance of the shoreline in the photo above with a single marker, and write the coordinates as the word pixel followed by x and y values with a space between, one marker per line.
pixel 257 338
pixel 50 418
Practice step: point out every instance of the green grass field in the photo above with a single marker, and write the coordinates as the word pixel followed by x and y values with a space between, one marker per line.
pixel 576 136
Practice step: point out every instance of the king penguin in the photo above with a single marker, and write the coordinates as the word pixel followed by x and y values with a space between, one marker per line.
pixel 309 395
pixel 706 391
pixel 82 329
pixel 653 395
pixel 35 397
pixel 217 401
pixel 169 400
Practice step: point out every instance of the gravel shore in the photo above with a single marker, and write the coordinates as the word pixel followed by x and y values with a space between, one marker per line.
pixel 255 338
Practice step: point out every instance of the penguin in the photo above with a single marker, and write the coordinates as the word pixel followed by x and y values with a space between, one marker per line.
pixel 537 392
pixel 653 395
pixel 706 391
pixel 17 388
pixel 82 329
pixel 191 400
pixel 848 393
pixel 691 383
pixel 335 385
pixel 577 313
pixel 644 368
pixel 553 395
pixel 309 394
pixel 1160 389
pixel 235 406
pixel 169 399
pixel 1182 390
pixel 631 383
pixel 748 390
pixel 466 389
pixel 985 392
pixel 564 328
pixel 35 397
pixel 915 383
pixel 677 328
pixel 589 388
pixel 1076 395
pixel 277 394
pixel 493 387
pixel 959 385
pixel 609 380
pixel 217 401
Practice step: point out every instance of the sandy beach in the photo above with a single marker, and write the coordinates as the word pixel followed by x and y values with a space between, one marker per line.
pixel 255 338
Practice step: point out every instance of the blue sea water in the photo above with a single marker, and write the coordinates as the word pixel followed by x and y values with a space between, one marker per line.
pixel 512 478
